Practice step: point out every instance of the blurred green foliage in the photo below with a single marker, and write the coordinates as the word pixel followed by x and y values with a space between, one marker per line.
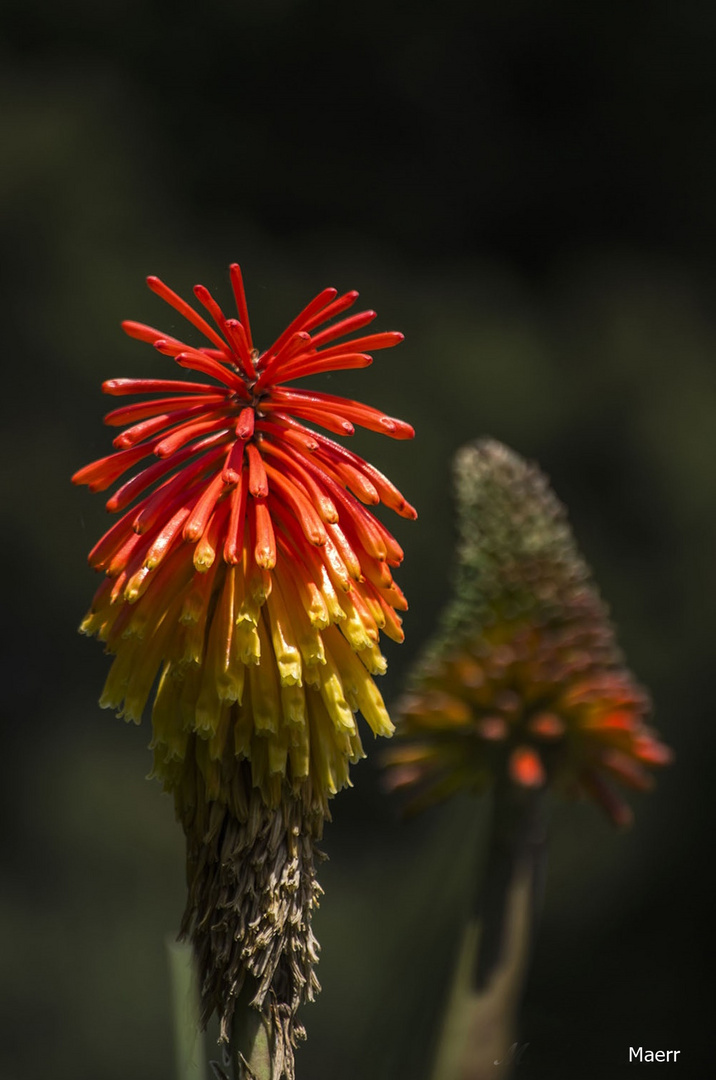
pixel 526 191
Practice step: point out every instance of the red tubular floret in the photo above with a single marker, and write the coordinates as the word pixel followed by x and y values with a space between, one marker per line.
pixel 120 387
pixel 184 434
pixel 345 326
pixel 313 528
pixel 103 472
pixel 237 285
pixel 336 307
pixel 258 481
pixel 323 362
pixel 314 413
pixel 303 318
pixel 155 424
pixel 144 479
pixel 265 548
pixel 157 286
pixel 162 503
pixel 204 508
pixel 140 410
pixel 234 544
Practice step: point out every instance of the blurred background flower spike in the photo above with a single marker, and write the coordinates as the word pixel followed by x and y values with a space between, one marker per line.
pixel 522 691
pixel 524 680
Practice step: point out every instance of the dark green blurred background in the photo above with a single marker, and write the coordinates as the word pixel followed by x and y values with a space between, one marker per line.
pixel 527 191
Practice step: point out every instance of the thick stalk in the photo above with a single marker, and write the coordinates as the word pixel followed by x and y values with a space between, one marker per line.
pixel 477 1039
pixel 250 1041
pixel 188 1038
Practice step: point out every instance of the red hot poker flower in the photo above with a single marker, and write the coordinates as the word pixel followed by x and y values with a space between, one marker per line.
pixel 245 564
pixel 247 570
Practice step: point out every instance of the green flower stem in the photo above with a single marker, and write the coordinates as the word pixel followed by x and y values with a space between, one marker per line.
pixel 188 1040
pixel 251 1043
pixel 477 1039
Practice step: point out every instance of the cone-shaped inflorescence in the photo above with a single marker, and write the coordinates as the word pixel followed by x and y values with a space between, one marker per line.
pixel 246 587
pixel 524 679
